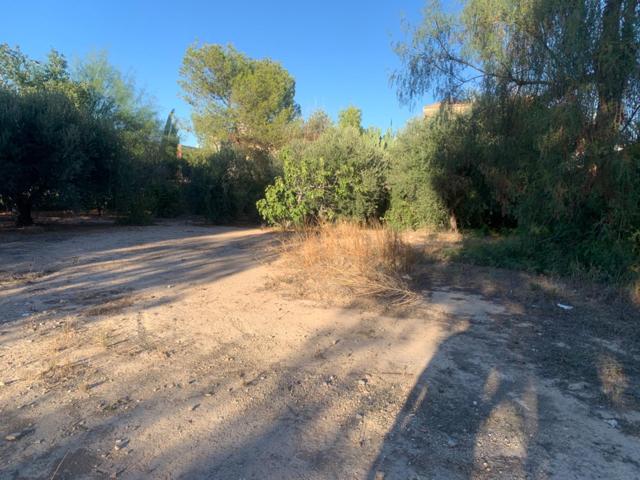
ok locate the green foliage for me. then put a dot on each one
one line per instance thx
(317, 123)
(298, 196)
(414, 200)
(82, 138)
(350, 117)
(339, 175)
(600, 260)
(48, 145)
(438, 177)
(20, 73)
(134, 200)
(510, 164)
(224, 185)
(114, 96)
(149, 186)
(94, 141)
(170, 138)
(146, 181)
(238, 99)
(549, 145)
(577, 52)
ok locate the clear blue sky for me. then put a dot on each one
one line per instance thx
(338, 51)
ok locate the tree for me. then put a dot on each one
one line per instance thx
(145, 179)
(350, 117)
(582, 52)
(20, 73)
(111, 94)
(69, 133)
(415, 201)
(550, 142)
(238, 99)
(47, 145)
(317, 123)
(170, 138)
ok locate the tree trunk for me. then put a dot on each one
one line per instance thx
(453, 222)
(23, 205)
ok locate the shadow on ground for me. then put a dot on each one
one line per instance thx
(495, 400)
(89, 267)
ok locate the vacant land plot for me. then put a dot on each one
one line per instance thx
(173, 351)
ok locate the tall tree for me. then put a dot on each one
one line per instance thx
(552, 135)
(238, 99)
(585, 52)
(112, 94)
(170, 139)
(63, 132)
(22, 74)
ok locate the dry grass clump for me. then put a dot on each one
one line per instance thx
(346, 258)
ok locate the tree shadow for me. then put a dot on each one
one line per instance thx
(463, 398)
(269, 436)
(493, 401)
(103, 268)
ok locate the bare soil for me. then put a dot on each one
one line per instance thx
(176, 351)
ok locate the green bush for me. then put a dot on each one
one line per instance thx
(51, 150)
(224, 185)
(583, 258)
(520, 167)
(165, 180)
(437, 176)
(133, 200)
(414, 200)
(340, 175)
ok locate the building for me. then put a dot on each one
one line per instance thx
(429, 111)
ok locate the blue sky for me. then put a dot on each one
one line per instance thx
(339, 52)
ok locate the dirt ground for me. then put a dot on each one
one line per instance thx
(171, 352)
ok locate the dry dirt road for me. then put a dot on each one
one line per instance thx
(168, 352)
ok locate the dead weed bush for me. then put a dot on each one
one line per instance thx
(346, 258)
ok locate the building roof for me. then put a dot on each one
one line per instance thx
(434, 108)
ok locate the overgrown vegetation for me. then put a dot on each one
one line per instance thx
(548, 148)
(85, 138)
(340, 174)
(237, 99)
(224, 185)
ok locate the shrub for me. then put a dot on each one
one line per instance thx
(224, 185)
(437, 178)
(414, 200)
(341, 175)
(133, 200)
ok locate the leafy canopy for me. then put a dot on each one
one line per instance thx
(550, 141)
(341, 174)
(582, 52)
(67, 133)
(238, 99)
(350, 117)
(49, 146)
(20, 73)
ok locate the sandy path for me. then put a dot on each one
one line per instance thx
(158, 352)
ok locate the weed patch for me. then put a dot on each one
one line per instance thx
(350, 260)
